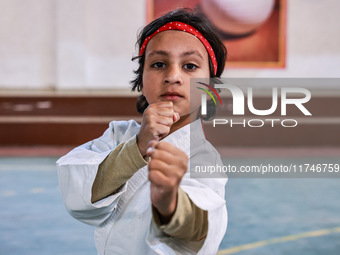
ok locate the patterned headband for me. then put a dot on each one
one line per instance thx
(176, 25)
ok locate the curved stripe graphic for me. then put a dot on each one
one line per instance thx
(212, 89)
(209, 94)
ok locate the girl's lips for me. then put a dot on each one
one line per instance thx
(172, 96)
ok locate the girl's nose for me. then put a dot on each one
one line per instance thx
(173, 76)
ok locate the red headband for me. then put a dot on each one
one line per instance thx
(176, 25)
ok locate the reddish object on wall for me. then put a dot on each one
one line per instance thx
(264, 47)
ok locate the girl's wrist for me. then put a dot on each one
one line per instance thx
(142, 149)
(167, 209)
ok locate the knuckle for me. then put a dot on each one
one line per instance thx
(151, 176)
(151, 106)
(154, 163)
(168, 104)
(178, 175)
(163, 145)
(155, 154)
(151, 118)
(151, 164)
(184, 165)
(152, 128)
(185, 157)
(147, 111)
(173, 182)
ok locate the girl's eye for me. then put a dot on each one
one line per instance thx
(158, 65)
(190, 66)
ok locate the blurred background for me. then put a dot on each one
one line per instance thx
(65, 67)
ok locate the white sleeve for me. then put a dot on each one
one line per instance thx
(208, 194)
(77, 171)
(205, 197)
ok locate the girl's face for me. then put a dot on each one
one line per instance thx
(171, 59)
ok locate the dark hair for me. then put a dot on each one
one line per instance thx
(193, 18)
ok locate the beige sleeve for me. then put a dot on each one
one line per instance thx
(189, 221)
(116, 169)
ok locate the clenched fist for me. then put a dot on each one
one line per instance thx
(167, 167)
(157, 121)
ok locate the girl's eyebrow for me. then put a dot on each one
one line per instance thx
(158, 52)
(192, 52)
(184, 54)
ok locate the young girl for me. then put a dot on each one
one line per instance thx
(133, 183)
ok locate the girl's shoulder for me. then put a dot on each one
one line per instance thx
(124, 125)
(122, 130)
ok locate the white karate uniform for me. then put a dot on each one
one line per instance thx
(123, 221)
